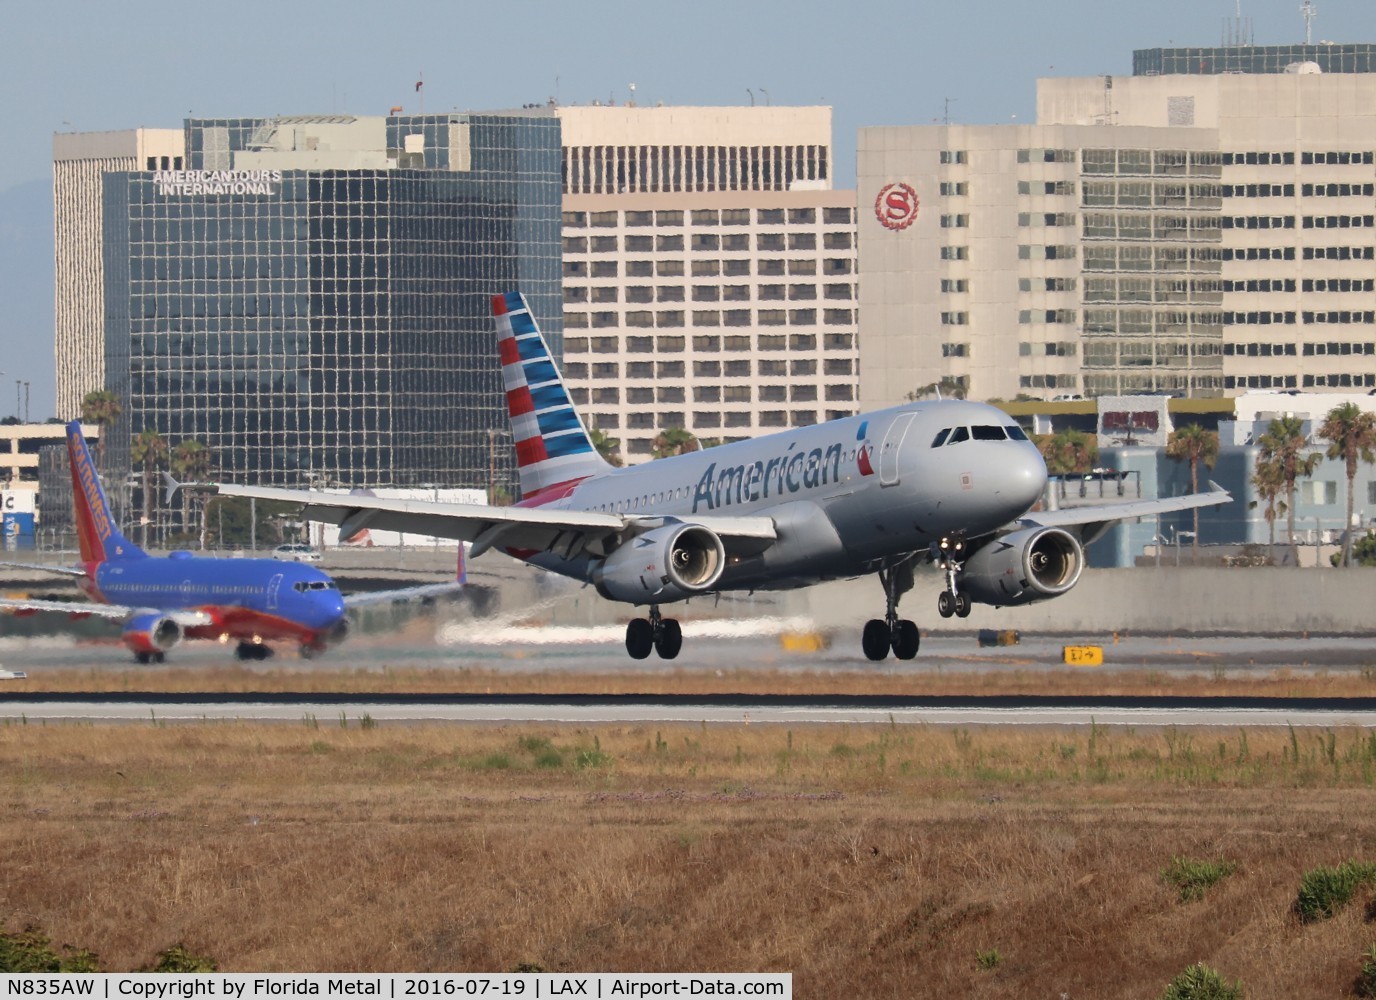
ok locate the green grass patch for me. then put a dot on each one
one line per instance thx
(1194, 878)
(1326, 890)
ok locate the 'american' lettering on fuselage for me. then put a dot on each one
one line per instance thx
(750, 482)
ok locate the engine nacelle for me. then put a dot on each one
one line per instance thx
(151, 633)
(1026, 566)
(663, 565)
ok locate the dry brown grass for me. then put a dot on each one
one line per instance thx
(870, 861)
(1280, 683)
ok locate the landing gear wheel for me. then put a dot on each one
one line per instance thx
(906, 639)
(252, 651)
(670, 639)
(142, 657)
(962, 605)
(945, 604)
(310, 651)
(159, 656)
(640, 638)
(876, 639)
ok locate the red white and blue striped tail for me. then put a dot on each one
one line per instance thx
(552, 445)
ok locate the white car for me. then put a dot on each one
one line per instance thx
(296, 553)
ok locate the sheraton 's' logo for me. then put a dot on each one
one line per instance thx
(896, 206)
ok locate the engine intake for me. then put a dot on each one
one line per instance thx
(151, 633)
(1025, 566)
(666, 564)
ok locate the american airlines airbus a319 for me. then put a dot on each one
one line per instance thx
(949, 481)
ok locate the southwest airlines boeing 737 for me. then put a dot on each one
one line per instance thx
(949, 481)
(162, 600)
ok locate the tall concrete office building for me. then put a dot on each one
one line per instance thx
(1203, 228)
(80, 162)
(310, 296)
(709, 271)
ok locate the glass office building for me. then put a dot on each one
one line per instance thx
(310, 298)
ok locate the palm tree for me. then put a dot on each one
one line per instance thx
(608, 447)
(102, 408)
(674, 441)
(1068, 451)
(1351, 436)
(149, 451)
(1282, 444)
(1269, 480)
(191, 462)
(1193, 444)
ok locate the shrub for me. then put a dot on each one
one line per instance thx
(1193, 878)
(1365, 986)
(31, 951)
(1324, 890)
(179, 959)
(1199, 982)
(988, 959)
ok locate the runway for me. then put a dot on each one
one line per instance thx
(727, 655)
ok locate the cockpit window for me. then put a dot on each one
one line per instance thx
(941, 436)
(1015, 432)
(958, 435)
(988, 433)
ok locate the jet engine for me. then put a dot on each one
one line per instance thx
(151, 633)
(663, 565)
(1022, 567)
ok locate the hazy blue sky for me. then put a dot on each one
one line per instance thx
(114, 65)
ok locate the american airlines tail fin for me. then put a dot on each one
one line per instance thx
(99, 538)
(552, 445)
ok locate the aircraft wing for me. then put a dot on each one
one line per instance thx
(186, 617)
(77, 608)
(1092, 521)
(535, 529)
(420, 593)
(60, 570)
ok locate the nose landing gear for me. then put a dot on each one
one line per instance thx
(949, 556)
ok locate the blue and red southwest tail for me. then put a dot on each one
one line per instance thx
(99, 538)
(552, 445)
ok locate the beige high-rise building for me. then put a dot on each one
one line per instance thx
(709, 272)
(80, 161)
(1196, 234)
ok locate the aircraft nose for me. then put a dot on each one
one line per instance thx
(329, 608)
(1024, 476)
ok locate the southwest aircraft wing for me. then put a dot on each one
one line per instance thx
(1092, 521)
(187, 617)
(534, 529)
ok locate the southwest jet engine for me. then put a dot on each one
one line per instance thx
(151, 633)
(1022, 567)
(666, 564)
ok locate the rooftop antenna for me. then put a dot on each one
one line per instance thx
(946, 109)
(1308, 11)
(1238, 34)
(632, 100)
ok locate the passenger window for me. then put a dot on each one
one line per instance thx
(958, 435)
(987, 433)
(941, 436)
(1015, 433)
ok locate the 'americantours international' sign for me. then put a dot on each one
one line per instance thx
(188, 182)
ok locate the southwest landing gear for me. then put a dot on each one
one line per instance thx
(952, 601)
(662, 635)
(252, 651)
(156, 657)
(898, 634)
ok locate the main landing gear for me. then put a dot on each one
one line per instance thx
(252, 651)
(154, 657)
(952, 601)
(898, 634)
(662, 635)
